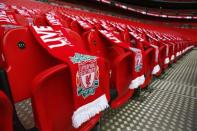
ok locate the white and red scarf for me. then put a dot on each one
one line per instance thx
(156, 68)
(88, 97)
(173, 51)
(85, 25)
(3, 6)
(8, 21)
(167, 60)
(138, 71)
(7, 18)
(53, 20)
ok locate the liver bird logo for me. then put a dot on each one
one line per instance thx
(88, 77)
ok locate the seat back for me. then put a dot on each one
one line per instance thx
(24, 59)
(40, 21)
(95, 44)
(80, 26)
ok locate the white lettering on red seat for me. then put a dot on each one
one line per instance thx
(49, 36)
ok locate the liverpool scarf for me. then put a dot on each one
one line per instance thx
(7, 18)
(152, 44)
(89, 98)
(138, 71)
(156, 68)
(167, 60)
(173, 51)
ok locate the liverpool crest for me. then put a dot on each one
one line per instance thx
(87, 77)
(138, 61)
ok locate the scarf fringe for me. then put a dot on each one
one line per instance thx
(172, 57)
(137, 82)
(167, 60)
(177, 54)
(156, 69)
(85, 112)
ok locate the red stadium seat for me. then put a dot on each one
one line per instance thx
(120, 65)
(37, 66)
(11, 20)
(148, 55)
(159, 49)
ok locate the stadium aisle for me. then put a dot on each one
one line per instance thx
(170, 103)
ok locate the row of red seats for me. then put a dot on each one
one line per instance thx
(73, 65)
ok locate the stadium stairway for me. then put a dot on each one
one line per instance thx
(170, 103)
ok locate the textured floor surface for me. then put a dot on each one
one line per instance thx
(170, 103)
